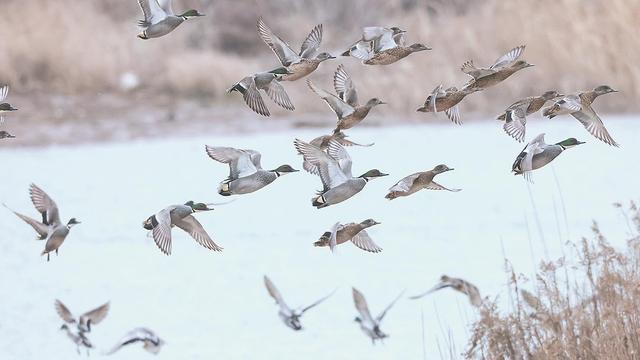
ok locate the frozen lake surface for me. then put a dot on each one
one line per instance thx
(208, 305)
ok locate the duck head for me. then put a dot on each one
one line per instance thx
(294, 322)
(189, 14)
(550, 95)
(358, 319)
(521, 64)
(64, 327)
(425, 107)
(396, 30)
(197, 206)
(369, 223)
(7, 107)
(323, 240)
(4, 134)
(150, 223)
(419, 47)
(72, 222)
(324, 56)
(441, 168)
(570, 142)
(284, 169)
(374, 102)
(371, 174)
(143, 35)
(379, 333)
(603, 89)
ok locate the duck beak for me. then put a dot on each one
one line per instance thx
(581, 142)
(422, 109)
(376, 223)
(449, 169)
(530, 65)
(383, 174)
(142, 36)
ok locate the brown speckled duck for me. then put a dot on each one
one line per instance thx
(579, 106)
(515, 115)
(505, 66)
(383, 46)
(299, 64)
(445, 100)
(345, 104)
(354, 232)
(459, 285)
(374, 38)
(389, 56)
(418, 181)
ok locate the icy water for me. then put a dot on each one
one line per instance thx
(208, 305)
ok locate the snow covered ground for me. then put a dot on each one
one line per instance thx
(214, 306)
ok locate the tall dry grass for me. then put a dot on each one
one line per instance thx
(583, 310)
(70, 46)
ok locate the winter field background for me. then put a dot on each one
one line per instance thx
(210, 305)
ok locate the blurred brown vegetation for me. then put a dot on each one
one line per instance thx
(80, 47)
(583, 309)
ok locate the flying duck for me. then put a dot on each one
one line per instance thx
(418, 181)
(345, 104)
(299, 64)
(246, 175)
(251, 85)
(506, 65)
(51, 228)
(150, 341)
(181, 216)
(459, 285)
(514, 116)
(579, 106)
(84, 321)
(334, 169)
(369, 325)
(290, 317)
(538, 154)
(159, 19)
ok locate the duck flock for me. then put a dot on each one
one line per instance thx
(325, 156)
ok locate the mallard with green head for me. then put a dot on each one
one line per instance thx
(159, 18)
(538, 154)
